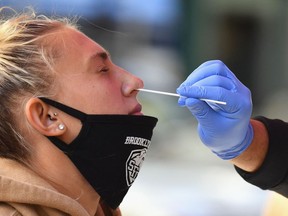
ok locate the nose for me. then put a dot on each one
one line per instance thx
(131, 83)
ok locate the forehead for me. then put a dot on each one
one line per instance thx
(76, 50)
(77, 43)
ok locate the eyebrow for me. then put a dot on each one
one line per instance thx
(103, 55)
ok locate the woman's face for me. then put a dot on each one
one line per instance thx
(90, 82)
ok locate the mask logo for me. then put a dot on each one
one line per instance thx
(133, 164)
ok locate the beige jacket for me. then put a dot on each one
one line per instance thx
(23, 193)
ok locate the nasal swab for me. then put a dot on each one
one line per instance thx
(177, 95)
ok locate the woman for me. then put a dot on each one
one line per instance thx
(72, 133)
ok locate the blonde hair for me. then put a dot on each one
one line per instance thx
(26, 66)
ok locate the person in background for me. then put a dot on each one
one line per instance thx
(256, 146)
(72, 134)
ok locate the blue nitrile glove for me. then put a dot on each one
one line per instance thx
(225, 129)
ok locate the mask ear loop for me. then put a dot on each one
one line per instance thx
(69, 110)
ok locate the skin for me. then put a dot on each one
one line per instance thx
(252, 158)
(87, 80)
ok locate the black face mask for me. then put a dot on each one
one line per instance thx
(108, 151)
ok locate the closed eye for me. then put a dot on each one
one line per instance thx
(104, 70)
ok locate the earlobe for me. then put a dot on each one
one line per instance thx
(43, 118)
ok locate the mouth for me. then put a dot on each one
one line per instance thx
(137, 110)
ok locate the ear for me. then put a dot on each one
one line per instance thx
(41, 117)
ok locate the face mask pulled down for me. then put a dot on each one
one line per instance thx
(108, 151)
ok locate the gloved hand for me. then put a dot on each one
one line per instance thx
(225, 129)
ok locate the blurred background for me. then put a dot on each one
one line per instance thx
(162, 41)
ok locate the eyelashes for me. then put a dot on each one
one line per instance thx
(104, 70)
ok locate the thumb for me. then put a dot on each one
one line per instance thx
(198, 108)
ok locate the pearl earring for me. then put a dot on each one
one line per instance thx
(61, 126)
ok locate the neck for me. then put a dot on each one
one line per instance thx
(57, 169)
(86, 196)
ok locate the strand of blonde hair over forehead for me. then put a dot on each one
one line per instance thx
(26, 70)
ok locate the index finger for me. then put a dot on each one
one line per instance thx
(207, 69)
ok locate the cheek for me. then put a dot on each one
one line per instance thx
(108, 100)
(109, 106)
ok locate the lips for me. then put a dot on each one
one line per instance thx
(137, 110)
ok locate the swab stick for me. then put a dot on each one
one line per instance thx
(177, 95)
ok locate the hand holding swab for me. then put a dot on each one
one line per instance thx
(177, 95)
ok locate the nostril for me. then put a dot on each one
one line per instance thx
(130, 87)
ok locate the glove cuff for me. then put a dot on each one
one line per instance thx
(238, 149)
